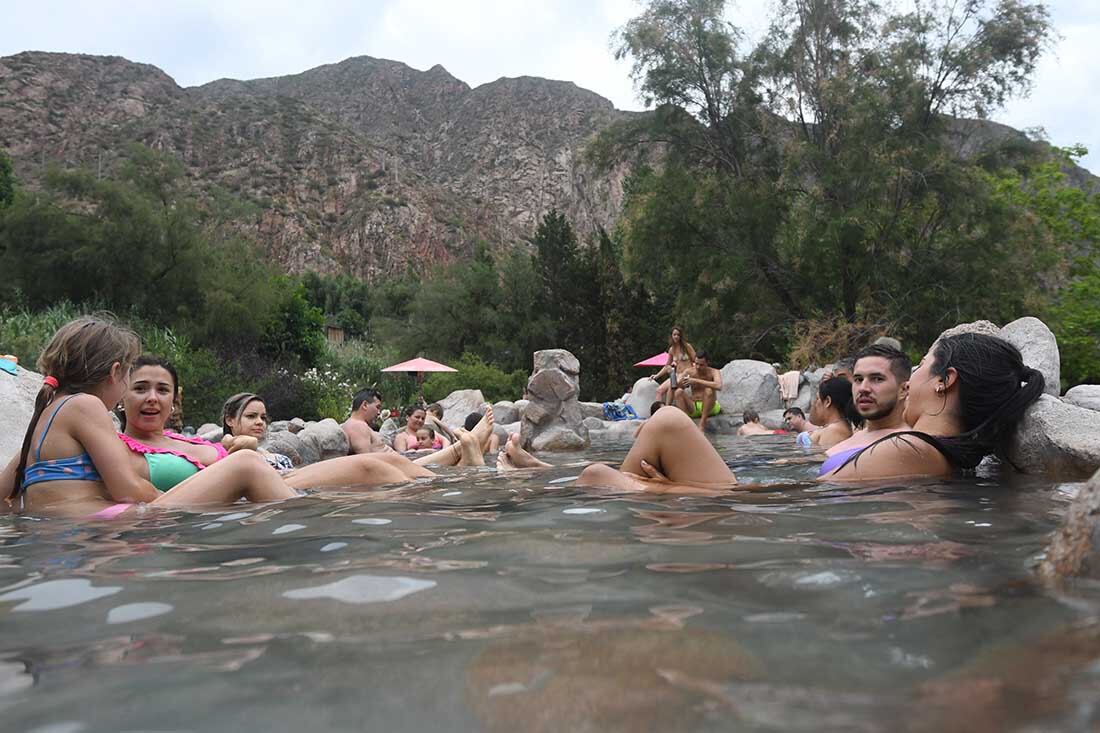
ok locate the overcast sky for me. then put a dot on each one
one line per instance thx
(476, 40)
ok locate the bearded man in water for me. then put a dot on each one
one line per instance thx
(880, 383)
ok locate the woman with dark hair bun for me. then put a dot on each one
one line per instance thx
(965, 399)
(834, 411)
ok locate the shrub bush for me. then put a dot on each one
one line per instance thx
(473, 373)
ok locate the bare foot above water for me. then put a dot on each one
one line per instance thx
(513, 457)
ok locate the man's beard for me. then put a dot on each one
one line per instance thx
(881, 412)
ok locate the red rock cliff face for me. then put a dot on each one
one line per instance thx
(363, 167)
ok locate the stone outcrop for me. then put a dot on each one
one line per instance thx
(1084, 395)
(749, 384)
(591, 409)
(460, 403)
(505, 412)
(974, 327)
(1074, 549)
(1056, 438)
(1039, 349)
(552, 419)
(642, 395)
(17, 395)
(326, 438)
(359, 167)
(290, 445)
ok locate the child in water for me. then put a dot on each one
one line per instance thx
(72, 462)
(426, 440)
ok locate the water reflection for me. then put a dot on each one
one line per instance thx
(797, 608)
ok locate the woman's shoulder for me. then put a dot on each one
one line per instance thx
(898, 455)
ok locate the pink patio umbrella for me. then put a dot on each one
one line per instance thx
(419, 366)
(657, 360)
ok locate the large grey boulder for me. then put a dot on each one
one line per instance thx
(807, 390)
(291, 446)
(642, 395)
(389, 430)
(505, 412)
(974, 327)
(559, 359)
(553, 418)
(326, 437)
(17, 395)
(1058, 438)
(772, 420)
(1074, 549)
(749, 384)
(457, 405)
(1084, 395)
(592, 409)
(1039, 348)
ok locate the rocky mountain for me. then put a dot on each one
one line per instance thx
(364, 166)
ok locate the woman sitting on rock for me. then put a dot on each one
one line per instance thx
(681, 357)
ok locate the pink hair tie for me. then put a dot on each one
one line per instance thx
(52, 381)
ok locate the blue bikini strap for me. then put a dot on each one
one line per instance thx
(42, 438)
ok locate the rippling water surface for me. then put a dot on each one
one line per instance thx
(518, 602)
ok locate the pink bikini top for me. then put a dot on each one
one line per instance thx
(138, 447)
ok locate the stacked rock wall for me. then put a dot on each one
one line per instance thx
(553, 419)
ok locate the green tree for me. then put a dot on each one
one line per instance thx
(294, 329)
(7, 180)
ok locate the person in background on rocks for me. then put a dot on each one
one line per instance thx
(796, 422)
(704, 383)
(751, 424)
(244, 426)
(964, 401)
(880, 380)
(434, 419)
(365, 407)
(842, 368)
(681, 355)
(493, 444)
(833, 410)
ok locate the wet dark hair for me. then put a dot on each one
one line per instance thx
(364, 395)
(995, 389)
(749, 416)
(839, 392)
(472, 420)
(794, 411)
(413, 408)
(900, 365)
(152, 360)
(655, 406)
(701, 355)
